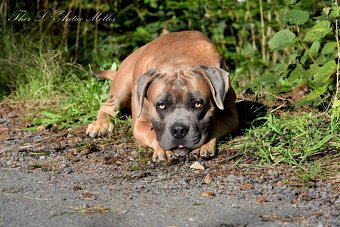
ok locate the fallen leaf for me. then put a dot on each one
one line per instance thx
(87, 195)
(246, 186)
(261, 199)
(207, 179)
(197, 165)
(71, 156)
(208, 194)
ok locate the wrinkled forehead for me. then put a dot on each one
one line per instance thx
(178, 85)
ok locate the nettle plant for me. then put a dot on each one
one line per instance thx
(317, 65)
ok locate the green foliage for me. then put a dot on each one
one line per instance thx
(318, 31)
(310, 65)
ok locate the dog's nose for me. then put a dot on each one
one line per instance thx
(179, 130)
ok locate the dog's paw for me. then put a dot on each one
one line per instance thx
(99, 128)
(163, 156)
(207, 150)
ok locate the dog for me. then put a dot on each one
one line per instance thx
(179, 95)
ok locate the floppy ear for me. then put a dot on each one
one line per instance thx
(218, 81)
(141, 88)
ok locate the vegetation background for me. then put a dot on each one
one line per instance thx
(282, 53)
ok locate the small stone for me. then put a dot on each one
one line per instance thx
(86, 206)
(234, 205)
(68, 170)
(43, 157)
(9, 162)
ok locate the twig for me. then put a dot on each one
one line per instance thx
(263, 38)
(248, 15)
(338, 65)
(95, 41)
(275, 96)
(304, 46)
(279, 107)
(78, 30)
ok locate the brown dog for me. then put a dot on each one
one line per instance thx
(180, 98)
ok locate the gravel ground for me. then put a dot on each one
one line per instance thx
(62, 178)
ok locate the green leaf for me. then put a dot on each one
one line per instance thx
(114, 66)
(328, 48)
(321, 78)
(318, 31)
(297, 73)
(296, 17)
(51, 114)
(312, 97)
(314, 49)
(335, 11)
(321, 60)
(281, 40)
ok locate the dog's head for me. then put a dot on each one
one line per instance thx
(181, 106)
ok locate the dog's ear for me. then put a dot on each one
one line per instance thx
(142, 86)
(218, 81)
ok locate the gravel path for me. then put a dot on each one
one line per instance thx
(62, 178)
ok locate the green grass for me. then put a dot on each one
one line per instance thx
(77, 103)
(29, 69)
(308, 142)
(34, 73)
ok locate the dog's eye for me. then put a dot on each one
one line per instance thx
(198, 105)
(161, 106)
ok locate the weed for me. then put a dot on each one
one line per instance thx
(297, 140)
(310, 172)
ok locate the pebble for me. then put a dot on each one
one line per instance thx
(9, 162)
(234, 205)
(68, 170)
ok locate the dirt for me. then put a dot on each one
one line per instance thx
(62, 178)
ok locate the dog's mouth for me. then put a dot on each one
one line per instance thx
(181, 150)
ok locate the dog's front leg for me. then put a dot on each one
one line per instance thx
(146, 137)
(207, 150)
(103, 124)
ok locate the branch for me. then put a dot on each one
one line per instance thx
(304, 46)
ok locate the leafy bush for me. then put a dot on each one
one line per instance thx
(316, 64)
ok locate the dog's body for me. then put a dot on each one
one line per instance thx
(180, 98)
